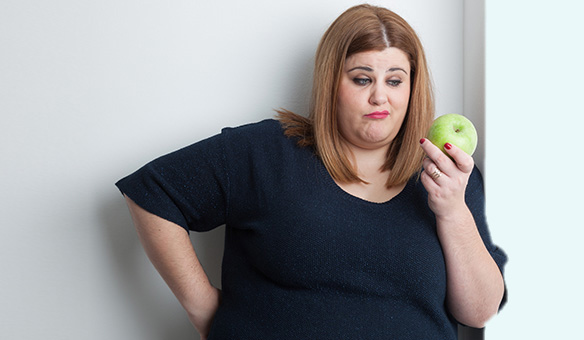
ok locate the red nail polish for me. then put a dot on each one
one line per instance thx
(448, 146)
(422, 140)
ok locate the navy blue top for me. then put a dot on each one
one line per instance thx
(304, 259)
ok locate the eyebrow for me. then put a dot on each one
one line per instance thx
(369, 69)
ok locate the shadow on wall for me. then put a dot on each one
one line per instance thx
(146, 296)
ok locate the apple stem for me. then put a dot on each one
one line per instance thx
(457, 130)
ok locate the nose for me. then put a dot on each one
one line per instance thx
(378, 95)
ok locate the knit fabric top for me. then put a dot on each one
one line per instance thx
(304, 259)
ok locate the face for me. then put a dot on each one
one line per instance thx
(373, 98)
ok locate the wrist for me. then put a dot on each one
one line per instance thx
(202, 312)
(457, 228)
(205, 298)
(453, 213)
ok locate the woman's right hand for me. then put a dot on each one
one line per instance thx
(171, 252)
(202, 317)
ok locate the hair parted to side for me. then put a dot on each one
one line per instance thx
(359, 29)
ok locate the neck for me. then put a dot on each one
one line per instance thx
(369, 165)
(368, 162)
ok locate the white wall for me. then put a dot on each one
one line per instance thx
(474, 72)
(90, 91)
(534, 163)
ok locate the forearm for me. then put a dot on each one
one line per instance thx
(169, 249)
(475, 284)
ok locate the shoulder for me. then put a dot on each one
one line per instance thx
(266, 127)
(265, 135)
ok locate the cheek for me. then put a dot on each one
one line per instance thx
(347, 105)
(344, 98)
(401, 100)
(344, 119)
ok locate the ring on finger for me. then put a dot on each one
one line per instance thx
(436, 174)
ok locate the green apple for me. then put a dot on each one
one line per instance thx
(454, 129)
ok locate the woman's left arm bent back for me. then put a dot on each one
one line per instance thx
(475, 286)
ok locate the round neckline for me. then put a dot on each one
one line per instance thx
(348, 196)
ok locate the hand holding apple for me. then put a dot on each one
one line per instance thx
(445, 178)
(454, 129)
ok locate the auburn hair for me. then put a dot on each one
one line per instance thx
(360, 29)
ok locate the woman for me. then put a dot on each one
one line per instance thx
(341, 225)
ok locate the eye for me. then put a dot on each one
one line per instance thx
(394, 82)
(361, 81)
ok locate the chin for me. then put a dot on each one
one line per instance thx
(374, 143)
(377, 139)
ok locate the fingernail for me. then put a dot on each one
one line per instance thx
(448, 146)
(422, 140)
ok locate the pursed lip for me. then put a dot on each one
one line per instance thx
(378, 114)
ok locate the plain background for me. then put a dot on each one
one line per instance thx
(534, 93)
(90, 91)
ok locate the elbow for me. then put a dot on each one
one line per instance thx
(477, 309)
(478, 317)
(474, 322)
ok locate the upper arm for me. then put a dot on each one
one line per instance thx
(155, 231)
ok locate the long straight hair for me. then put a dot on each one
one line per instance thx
(360, 29)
